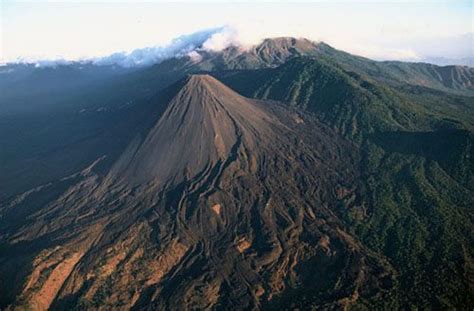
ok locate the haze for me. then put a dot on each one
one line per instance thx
(437, 31)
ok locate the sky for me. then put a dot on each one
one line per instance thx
(70, 29)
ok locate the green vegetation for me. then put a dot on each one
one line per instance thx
(417, 167)
(394, 230)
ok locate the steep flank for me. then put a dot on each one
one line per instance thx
(222, 202)
(354, 190)
(202, 124)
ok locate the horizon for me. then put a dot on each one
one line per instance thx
(434, 31)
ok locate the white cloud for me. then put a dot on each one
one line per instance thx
(214, 39)
(243, 35)
(221, 40)
(195, 56)
(183, 45)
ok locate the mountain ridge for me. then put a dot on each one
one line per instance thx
(269, 181)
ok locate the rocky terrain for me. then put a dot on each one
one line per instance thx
(288, 175)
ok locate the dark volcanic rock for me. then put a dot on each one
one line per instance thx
(223, 202)
(203, 124)
(151, 190)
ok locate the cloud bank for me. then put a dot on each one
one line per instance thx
(401, 30)
(216, 39)
(183, 45)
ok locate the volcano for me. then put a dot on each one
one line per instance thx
(220, 201)
(203, 127)
(289, 175)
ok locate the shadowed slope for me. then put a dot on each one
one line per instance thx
(203, 124)
(225, 202)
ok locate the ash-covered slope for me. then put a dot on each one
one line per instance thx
(204, 123)
(224, 202)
